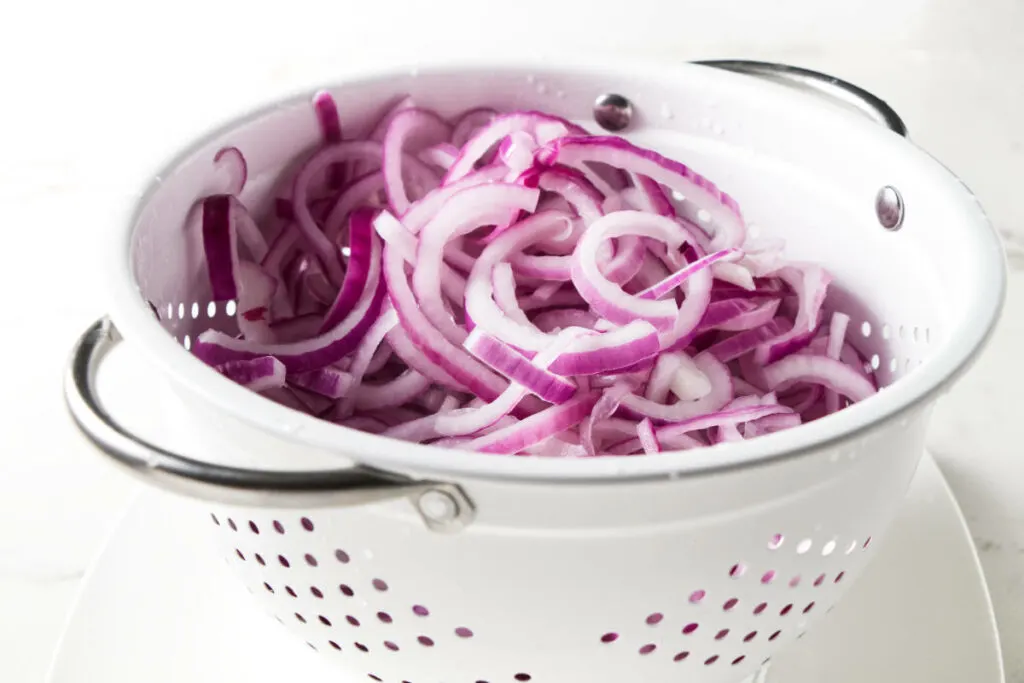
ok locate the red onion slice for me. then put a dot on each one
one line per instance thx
(827, 372)
(536, 428)
(518, 368)
(722, 210)
(329, 382)
(415, 129)
(258, 374)
(231, 163)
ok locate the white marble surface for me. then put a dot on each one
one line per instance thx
(96, 93)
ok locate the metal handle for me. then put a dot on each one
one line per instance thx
(443, 506)
(848, 93)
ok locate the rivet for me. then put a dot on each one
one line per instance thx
(438, 506)
(889, 208)
(613, 112)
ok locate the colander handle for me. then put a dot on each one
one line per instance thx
(443, 506)
(848, 93)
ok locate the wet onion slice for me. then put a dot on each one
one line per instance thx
(508, 283)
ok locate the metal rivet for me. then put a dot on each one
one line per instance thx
(438, 506)
(613, 112)
(889, 208)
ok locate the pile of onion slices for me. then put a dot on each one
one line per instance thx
(508, 283)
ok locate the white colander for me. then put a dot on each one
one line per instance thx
(421, 565)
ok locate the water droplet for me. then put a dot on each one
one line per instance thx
(541, 88)
(368, 554)
(414, 72)
(560, 94)
(666, 111)
(530, 78)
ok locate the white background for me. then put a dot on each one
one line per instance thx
(94, 95)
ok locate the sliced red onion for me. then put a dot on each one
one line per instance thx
(570, 295)
(663, 376)
(330, 127)
(359, 192)
(558, 319)
(308, 228)
(722, 210)
(627, 261)
(603, 409)
(453, 360)
(441, 155)
(648, 438)
(689, 383)
(836, 339)
(734, 273)
(399, 340)
(822, 370)
(536, 428)
(426, 208)
(255, 293)
(772, 423)
(581, 194)
(717, 419)
(361, 261)
(544, 267)
(810, 284)
(215, 347)
(604, 296)
(594, 353)
(682, 275)
(327, 114)
(516, 151)
(328, 381)
(540, 125)
(225, 222)
(721, 393)
(396, 107)
(652, 196)
(231, 162)
(518, 368)
(413, 129)
(396, 392)
(504, 284)
(737, 315)
(396, 236)
(259, 374)
(469, 122)
(363, 423)
(296, 328)
(466, 211)
(480, 304)
(365, 351)
(739, 344)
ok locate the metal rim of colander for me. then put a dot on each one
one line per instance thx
(134, 318)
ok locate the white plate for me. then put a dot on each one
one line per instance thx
(156, 608)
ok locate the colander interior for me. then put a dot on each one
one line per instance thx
(801, 169)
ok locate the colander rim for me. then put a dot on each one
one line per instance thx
(134, 318)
